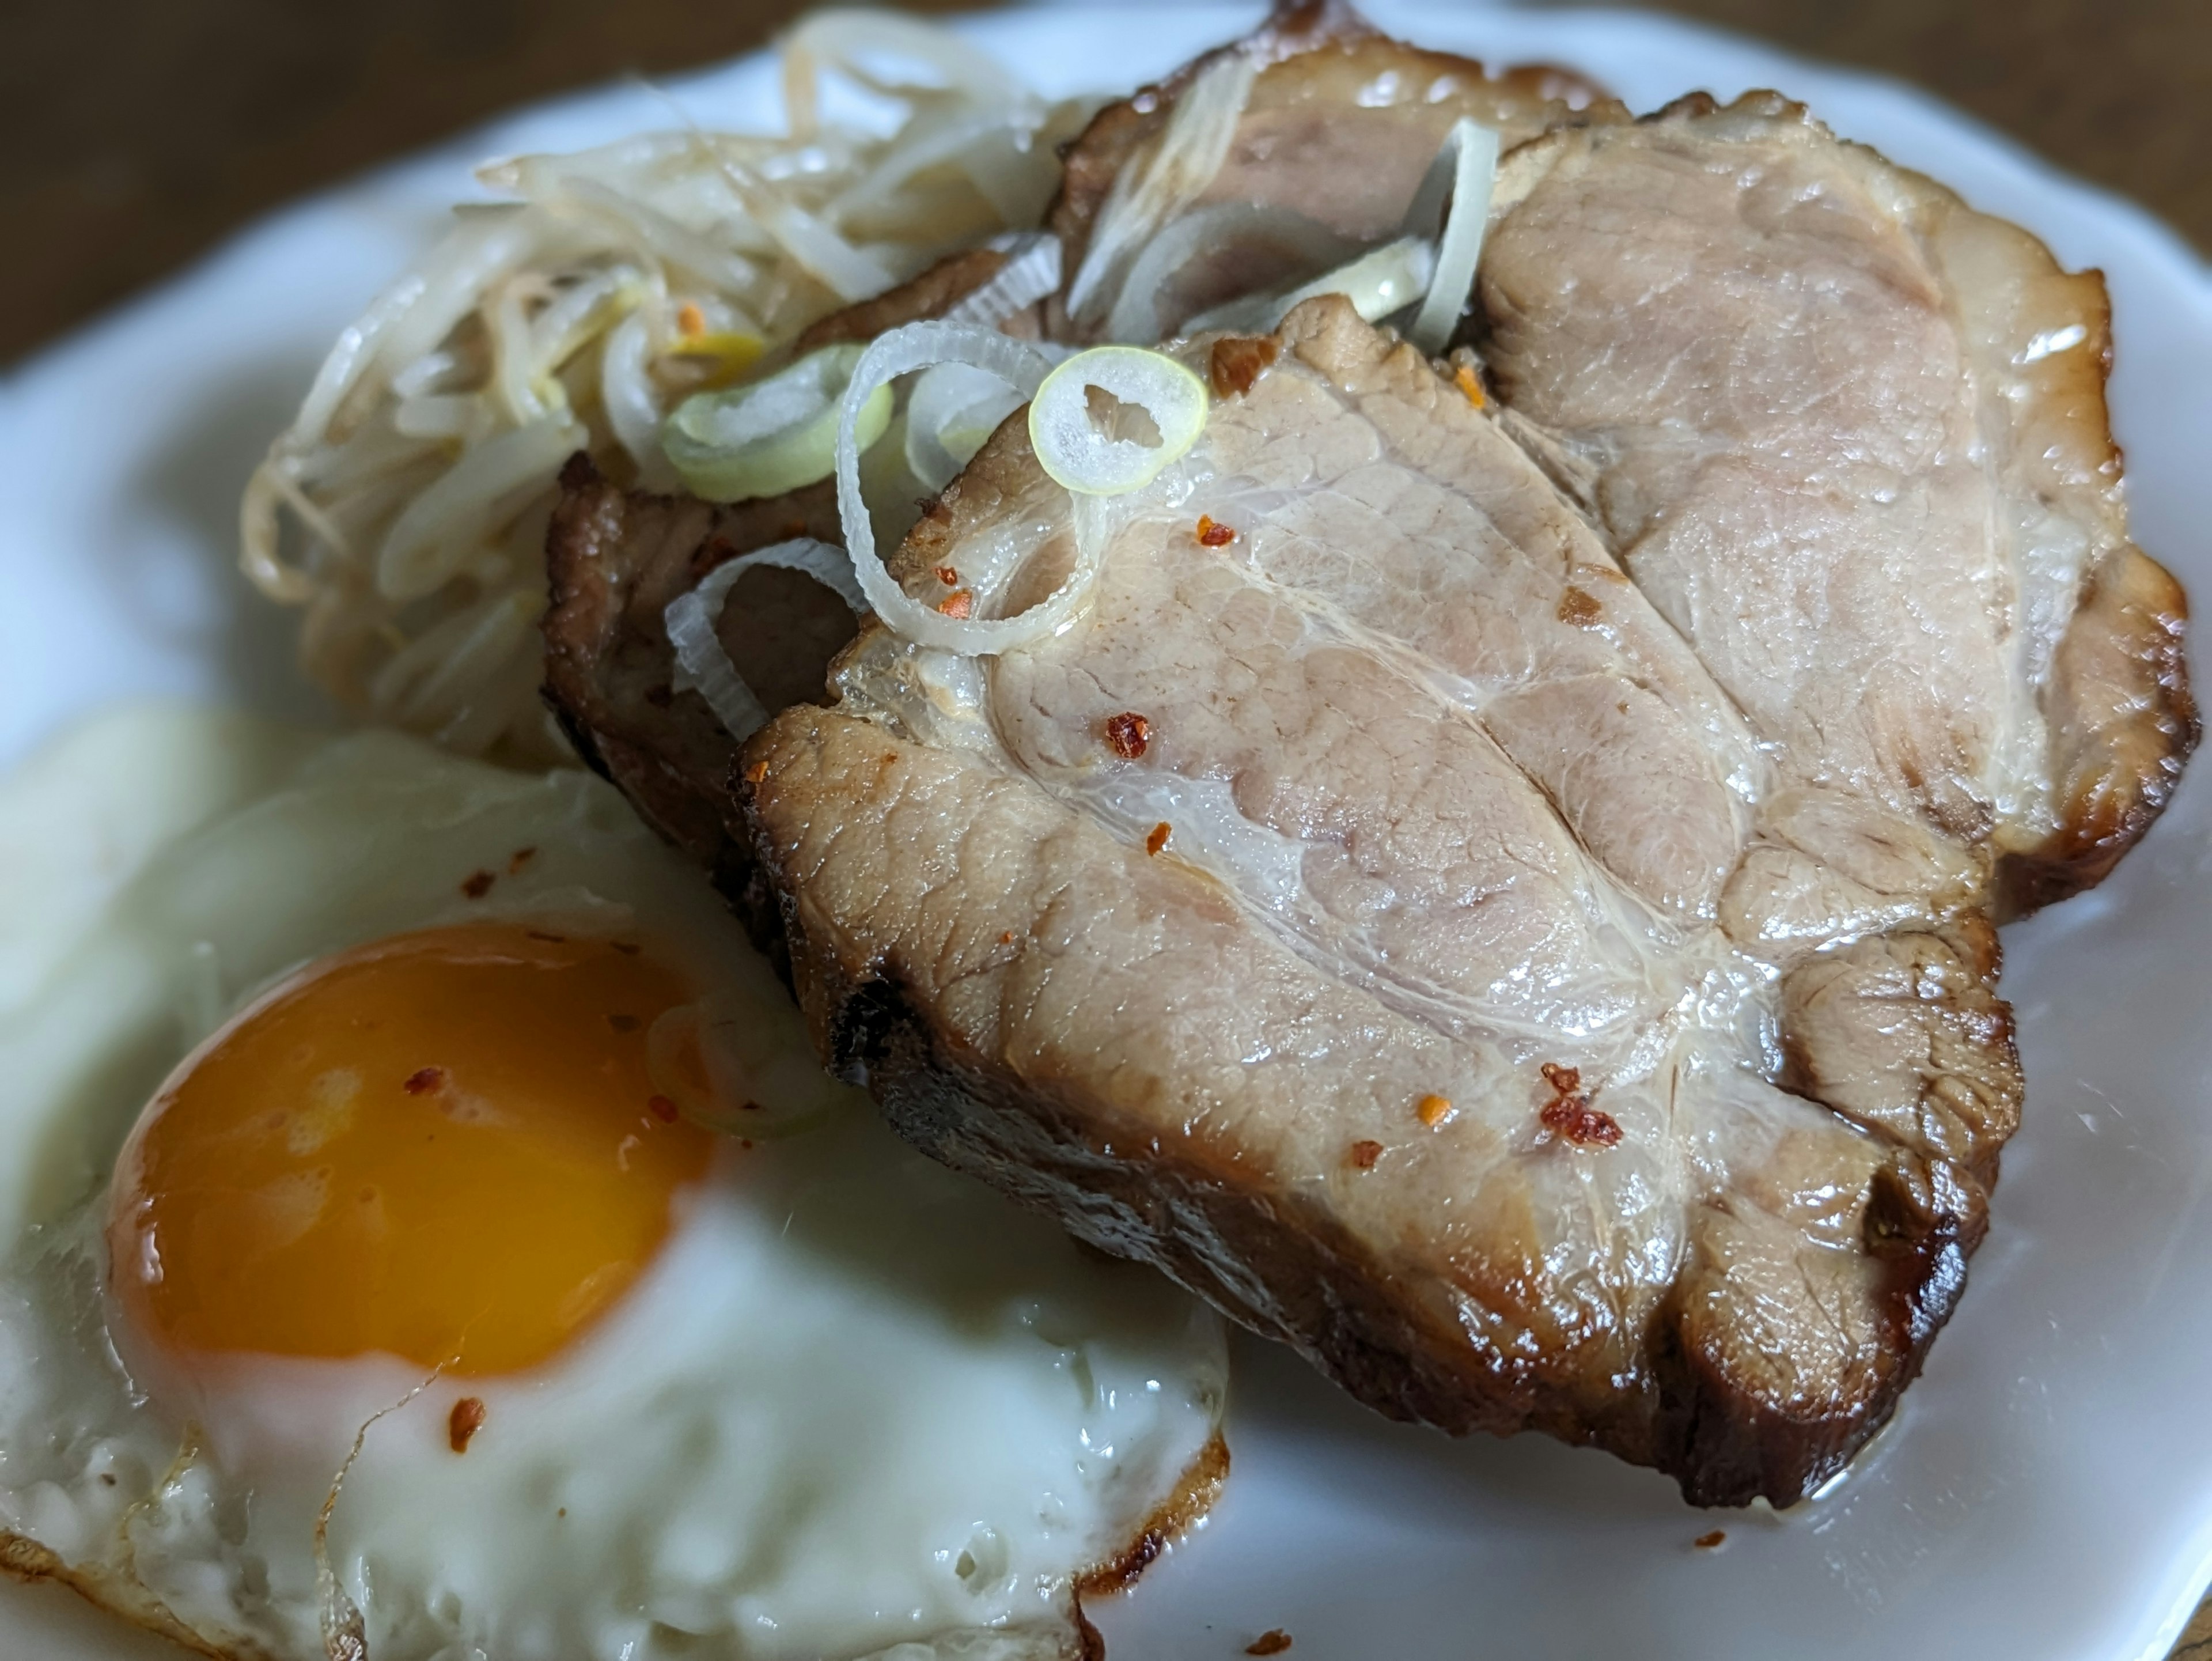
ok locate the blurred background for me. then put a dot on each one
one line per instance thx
(138, 133)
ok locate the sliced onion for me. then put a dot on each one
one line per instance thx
(1078, 456)
(1464, 170)
(919, 346)
(1380, 282)
(1031, 272)
(1191, 147)
(702, 666)
(1307, 245)
(772, 435)
(952, 410)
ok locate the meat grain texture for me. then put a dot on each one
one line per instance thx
(1566, 996)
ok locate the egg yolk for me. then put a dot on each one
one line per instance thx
(446, 1145)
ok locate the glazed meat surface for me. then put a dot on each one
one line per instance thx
(1529, 947)
(1517, 921)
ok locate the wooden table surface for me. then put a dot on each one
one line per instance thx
(138, 134)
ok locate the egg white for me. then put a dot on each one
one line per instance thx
(856, 1406)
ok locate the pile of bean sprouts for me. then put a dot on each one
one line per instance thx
(406, 508)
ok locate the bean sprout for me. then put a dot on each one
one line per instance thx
(403, 509)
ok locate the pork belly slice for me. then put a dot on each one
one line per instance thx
(1332, 918)
(1850, 437)
(1339, 125)
(615, 560)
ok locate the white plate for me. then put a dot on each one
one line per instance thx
(2046, 1495)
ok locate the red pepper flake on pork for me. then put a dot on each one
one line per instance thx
(1470, 387)
(1433, 1110)
(1158, 839)
(958, 604)
(1364, 1155)
(1212, 534)
(1273, 1641)
(948, 575)
(1128, 734)
(1569, 1114)
(1236, 361)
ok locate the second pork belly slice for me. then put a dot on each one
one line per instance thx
(1329, 917)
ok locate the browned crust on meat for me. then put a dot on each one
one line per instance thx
(932, 293)
(2123, 725)
(24, 1559)
(1195, 1494)
(607, 658)
(1118, 131)
(1285, 1266)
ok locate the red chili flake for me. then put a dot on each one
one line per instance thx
(1577, 607)
(624, 1023)
(1464, 378)
(1364, 1154)
(958, 604)
(690, 321)
(1007, 937)
(1158, 839)
(1235, 361)
(468, 1417)
(1273, 1641)
(1211, 533)
(423, 1081)
(1708, 1542)
(661, 1109)
(756, 772)
(947, 575)
(1569, 1111)
(517, 859)
(478, 885)
(1128, 734)
(1433, 1110)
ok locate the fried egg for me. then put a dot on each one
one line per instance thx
(428, 1234)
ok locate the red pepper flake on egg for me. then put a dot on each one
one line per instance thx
(423, 1081)
(467, 1420)
(1128, 734)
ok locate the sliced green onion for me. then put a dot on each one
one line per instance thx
(1070, 440)
(1465, 172)
(772, 435)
